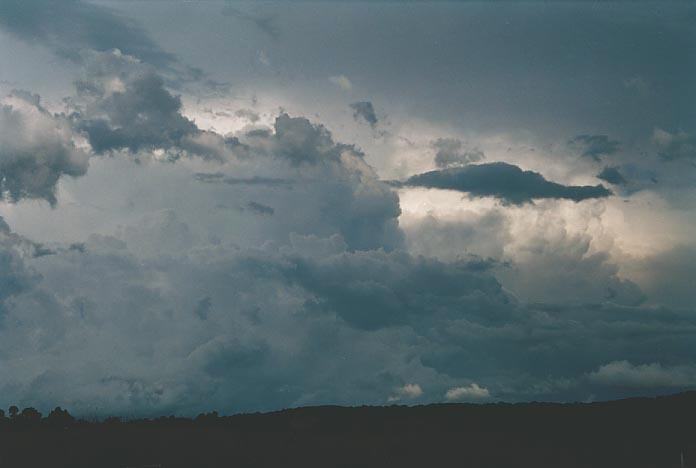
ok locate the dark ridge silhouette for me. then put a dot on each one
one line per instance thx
(639, 432)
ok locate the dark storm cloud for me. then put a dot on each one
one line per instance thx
(364, 110)
(301, 142)
(612, 175)
(368, 321)
(504, 181)
(36, 149)
(125, 105)
(595, 146)
(451, 152)
(144, 116)
(373, 290)
(70, 26)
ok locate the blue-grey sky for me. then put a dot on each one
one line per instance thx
(254, 205)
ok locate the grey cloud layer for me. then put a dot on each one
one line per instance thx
(505, 181)
(218, 327)
(69, 27)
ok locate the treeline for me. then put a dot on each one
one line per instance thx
(31, 417)
(635, 433)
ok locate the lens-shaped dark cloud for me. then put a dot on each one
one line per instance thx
(504, 181)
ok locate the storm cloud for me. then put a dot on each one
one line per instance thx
(504, 181)
(36, 149)
(224, 238)
(364, 110)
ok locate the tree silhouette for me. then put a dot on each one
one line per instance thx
(59, 417)
(13, 410)
(30, 415)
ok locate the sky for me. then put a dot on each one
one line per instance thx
(248, 206)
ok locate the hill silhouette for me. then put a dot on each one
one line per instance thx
(639, 432)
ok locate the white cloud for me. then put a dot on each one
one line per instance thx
(342, 82)
(470, 392)
(407, 392)
(626, 374)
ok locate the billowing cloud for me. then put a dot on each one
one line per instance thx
(123, 104)
(504, 181)
(626, 374)
(595, 146)
(210, 283)
(451, 152)
(407, 392)
(36, 149)
(364, 110)
(471, 392)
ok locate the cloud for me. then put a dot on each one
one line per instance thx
(407, 392)
(667, 276)
(219, 177)
(375, 289)
(198, 325)
(451, 152)
(470, 392)
(595, 146)
(626, 374)
(260, 208)
(504, 181)
(674, 146)
(123, 104)
(364, 110)
(248, 114)
(612, 175)
(342, 82)
(69, 27)
(36, 149)
(265, 23)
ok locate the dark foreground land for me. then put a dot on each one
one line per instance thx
(628, 433)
